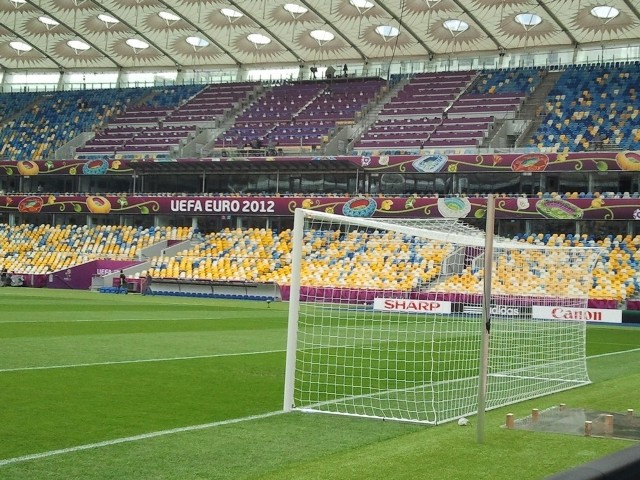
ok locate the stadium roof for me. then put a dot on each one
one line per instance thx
(158, 34)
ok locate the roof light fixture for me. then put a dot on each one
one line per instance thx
(528, 20)
(169, 17)
(363, 6)
(387, 32)
(455, 26)
(231, 14)
(321, 36)
(108, 20)
(136, 44)
(197, 42)
(258, 39)
(78, 46)
(295, 10)
(20, 46)
(605, 12)
(48, 22)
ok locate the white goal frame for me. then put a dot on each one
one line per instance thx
(441, 233)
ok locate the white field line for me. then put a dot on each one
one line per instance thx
(144, 360)
(134, 438)
(613, 353)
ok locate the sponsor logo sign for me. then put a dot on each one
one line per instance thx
(501, 310)
(411, 306)
(578, 314)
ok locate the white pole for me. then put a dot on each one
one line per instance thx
(486, 318)
(294, 307)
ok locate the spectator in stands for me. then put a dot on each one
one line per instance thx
(598, 141)
(345, 70)
(123, 282)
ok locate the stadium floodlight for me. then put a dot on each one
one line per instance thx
(390, 318)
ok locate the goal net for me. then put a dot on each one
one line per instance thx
(386, 318)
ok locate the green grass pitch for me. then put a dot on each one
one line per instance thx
(111, 387)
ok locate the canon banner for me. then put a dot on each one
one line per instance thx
(577, 314)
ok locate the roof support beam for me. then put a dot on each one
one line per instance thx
(479, 24)
(633, 8)
(344, 37)
(562, 26)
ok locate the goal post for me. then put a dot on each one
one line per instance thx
(386, 318)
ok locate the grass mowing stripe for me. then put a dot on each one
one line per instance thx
(62, 408)
(144, 436)
(145, 360)
(134, 438)
(181, 319)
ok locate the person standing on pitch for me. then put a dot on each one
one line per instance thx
(123, 282)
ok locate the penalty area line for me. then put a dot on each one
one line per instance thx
(142, 360)
(135, 438)
(609, 354)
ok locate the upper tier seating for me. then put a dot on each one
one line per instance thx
(299, 116)
(57, 117)
(120, 142)
(15, 103)
(211, 104)
(409, 119)
(455, 110)
(508, 81)
(165, 120)
(592, 107)
(155, 107)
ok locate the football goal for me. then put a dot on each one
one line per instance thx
(388, 318)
